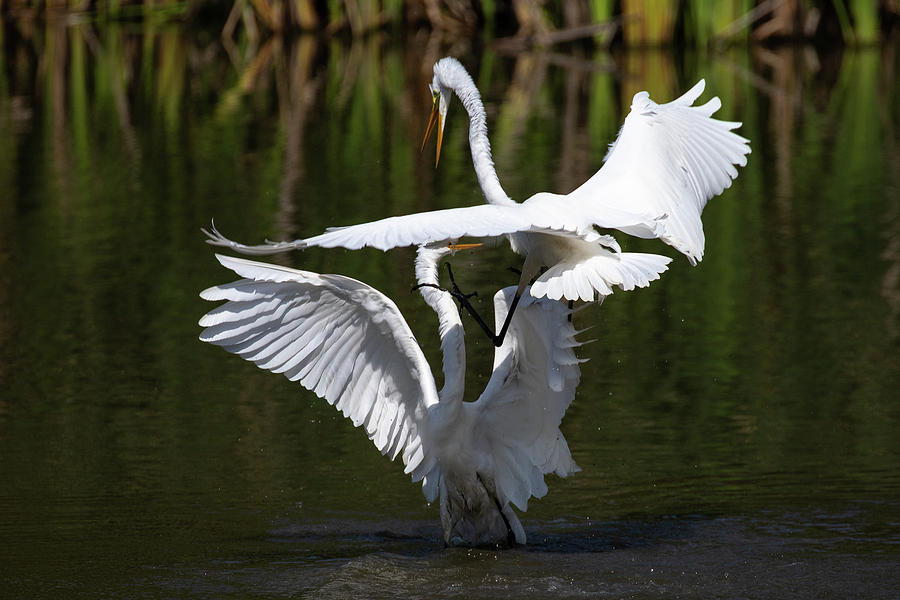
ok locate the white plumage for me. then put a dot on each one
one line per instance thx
(668, 159)
(666, 163)
(349, 344)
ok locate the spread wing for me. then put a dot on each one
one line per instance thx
(533, 383)
(338, 337)
(544, 213)
(668, 159)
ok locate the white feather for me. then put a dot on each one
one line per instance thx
(666, 163)
(315, 328)
(348, 343)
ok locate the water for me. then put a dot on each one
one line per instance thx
(736, 425)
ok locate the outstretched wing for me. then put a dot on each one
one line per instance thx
(533, 383)
(544, 213)
(668, 159)
(338, 337)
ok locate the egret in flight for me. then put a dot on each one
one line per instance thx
(667, 161)
(348, 343)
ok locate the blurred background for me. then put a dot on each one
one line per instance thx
(736, 423)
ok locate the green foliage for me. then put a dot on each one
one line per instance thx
(644, 23)
(866, 20)
(764, 376)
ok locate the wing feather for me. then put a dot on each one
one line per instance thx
(339, 337)
(543, 213)
(668, 159)
(533, 382)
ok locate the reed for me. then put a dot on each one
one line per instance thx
(648, 22)
(642, 23)
(707, 20)
(866, 25)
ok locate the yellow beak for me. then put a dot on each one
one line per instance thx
(455, 247)
(435, 118)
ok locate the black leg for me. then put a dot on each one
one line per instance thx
(498, 340)
(510, 535)
(463, 299)
(457, 293)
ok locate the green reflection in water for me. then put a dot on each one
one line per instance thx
(764, 379)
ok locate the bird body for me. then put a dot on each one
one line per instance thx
(667, 161)
(349, 344)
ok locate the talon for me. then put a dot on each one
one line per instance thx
(456, 293)
(437, 287)
(463, 299)
(459, 294)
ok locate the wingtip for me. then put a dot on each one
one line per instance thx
(207, 295)
(224, 260)
(692, 94)
(640, 100)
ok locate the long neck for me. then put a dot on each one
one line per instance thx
(455, 76)
(453, 344)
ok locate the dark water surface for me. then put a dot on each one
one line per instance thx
(737, 424)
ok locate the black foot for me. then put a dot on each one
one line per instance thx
(459, 295)
(455, 291)
(463, 300)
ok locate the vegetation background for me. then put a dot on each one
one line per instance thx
(737, 422)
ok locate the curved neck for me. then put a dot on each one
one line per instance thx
(454, 76)
(453, 346)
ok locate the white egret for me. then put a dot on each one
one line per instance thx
(348, 342)
(667, 161)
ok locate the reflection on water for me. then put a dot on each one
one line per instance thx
(736, 424)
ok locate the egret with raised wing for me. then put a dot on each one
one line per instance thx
(667, 161)
(348, 343)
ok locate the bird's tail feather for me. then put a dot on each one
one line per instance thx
(581, 279)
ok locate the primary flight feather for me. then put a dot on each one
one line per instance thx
(667, 161)
(348, 343)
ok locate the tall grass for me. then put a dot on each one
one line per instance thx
(641, 22)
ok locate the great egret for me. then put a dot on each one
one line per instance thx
(666, 163)
(348, 342)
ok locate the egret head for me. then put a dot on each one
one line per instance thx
(434, 251)
(455, 247)
(440, 97)
(429, 255)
